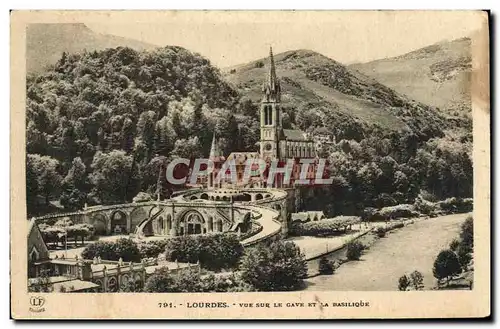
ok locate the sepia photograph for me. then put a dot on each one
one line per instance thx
(221, 153)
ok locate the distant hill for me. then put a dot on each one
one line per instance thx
(437, 75)
(310, 79)
(46, 42)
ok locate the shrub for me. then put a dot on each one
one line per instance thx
(324, 227)
(399, 211)
(417, 280)
(213, 251)
(259, 64)
(354, 250)
(368, 213)
(464, 256)
(454, 244)
(276, 266)
(403, 283)
(446, 265)
(151, 249)
(122, 248)
(224, 283)
(325, 266)
(160, 281)
(467, 233)
(424, 206)
(380, 231)
(190, 281)
(456, 205)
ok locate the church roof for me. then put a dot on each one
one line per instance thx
(35, 239)
(295, 135)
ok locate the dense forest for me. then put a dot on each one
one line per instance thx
(100, 124)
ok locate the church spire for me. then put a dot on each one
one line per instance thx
(214, 150)
(272, 70)
(272, 90)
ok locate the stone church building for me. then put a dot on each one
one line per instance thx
(276, 143)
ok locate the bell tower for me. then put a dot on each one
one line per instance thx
(270, 114)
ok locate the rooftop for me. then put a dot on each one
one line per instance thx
(295, 135)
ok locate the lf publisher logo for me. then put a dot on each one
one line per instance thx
(37, 303)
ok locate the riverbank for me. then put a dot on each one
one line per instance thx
(404, 250)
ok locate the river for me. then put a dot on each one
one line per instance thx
(413, 247)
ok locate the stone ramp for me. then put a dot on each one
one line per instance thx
(270, 225)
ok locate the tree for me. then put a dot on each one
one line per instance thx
(467, 233)
(354, 250)
(32, 188)
(75, 185)
(187, 148)
(279, 266)
(446, 265)
(46, 171)
(404, 283)
(112, 174)
(417, 280)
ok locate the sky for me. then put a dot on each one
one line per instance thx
(231, 38)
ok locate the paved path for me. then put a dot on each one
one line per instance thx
(413, 247)
(269, 226)
(312, 246)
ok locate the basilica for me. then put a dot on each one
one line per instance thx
(276, 143)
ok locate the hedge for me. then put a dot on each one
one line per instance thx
(125, 249)
(394, 212)
(151, 249)
(324, 227)
(454, 205)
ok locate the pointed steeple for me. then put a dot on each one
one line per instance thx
(272, 70)
(214, 150)
(271, 89)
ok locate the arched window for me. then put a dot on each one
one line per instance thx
(34, 255)
(112, 285)
(268, 115)
(161, 224)
(169, 223)
(210, 224)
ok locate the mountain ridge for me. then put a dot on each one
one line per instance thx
(437, 75)
(45, 43)
(310, 79)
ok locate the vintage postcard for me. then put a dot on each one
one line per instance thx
(250, 164)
